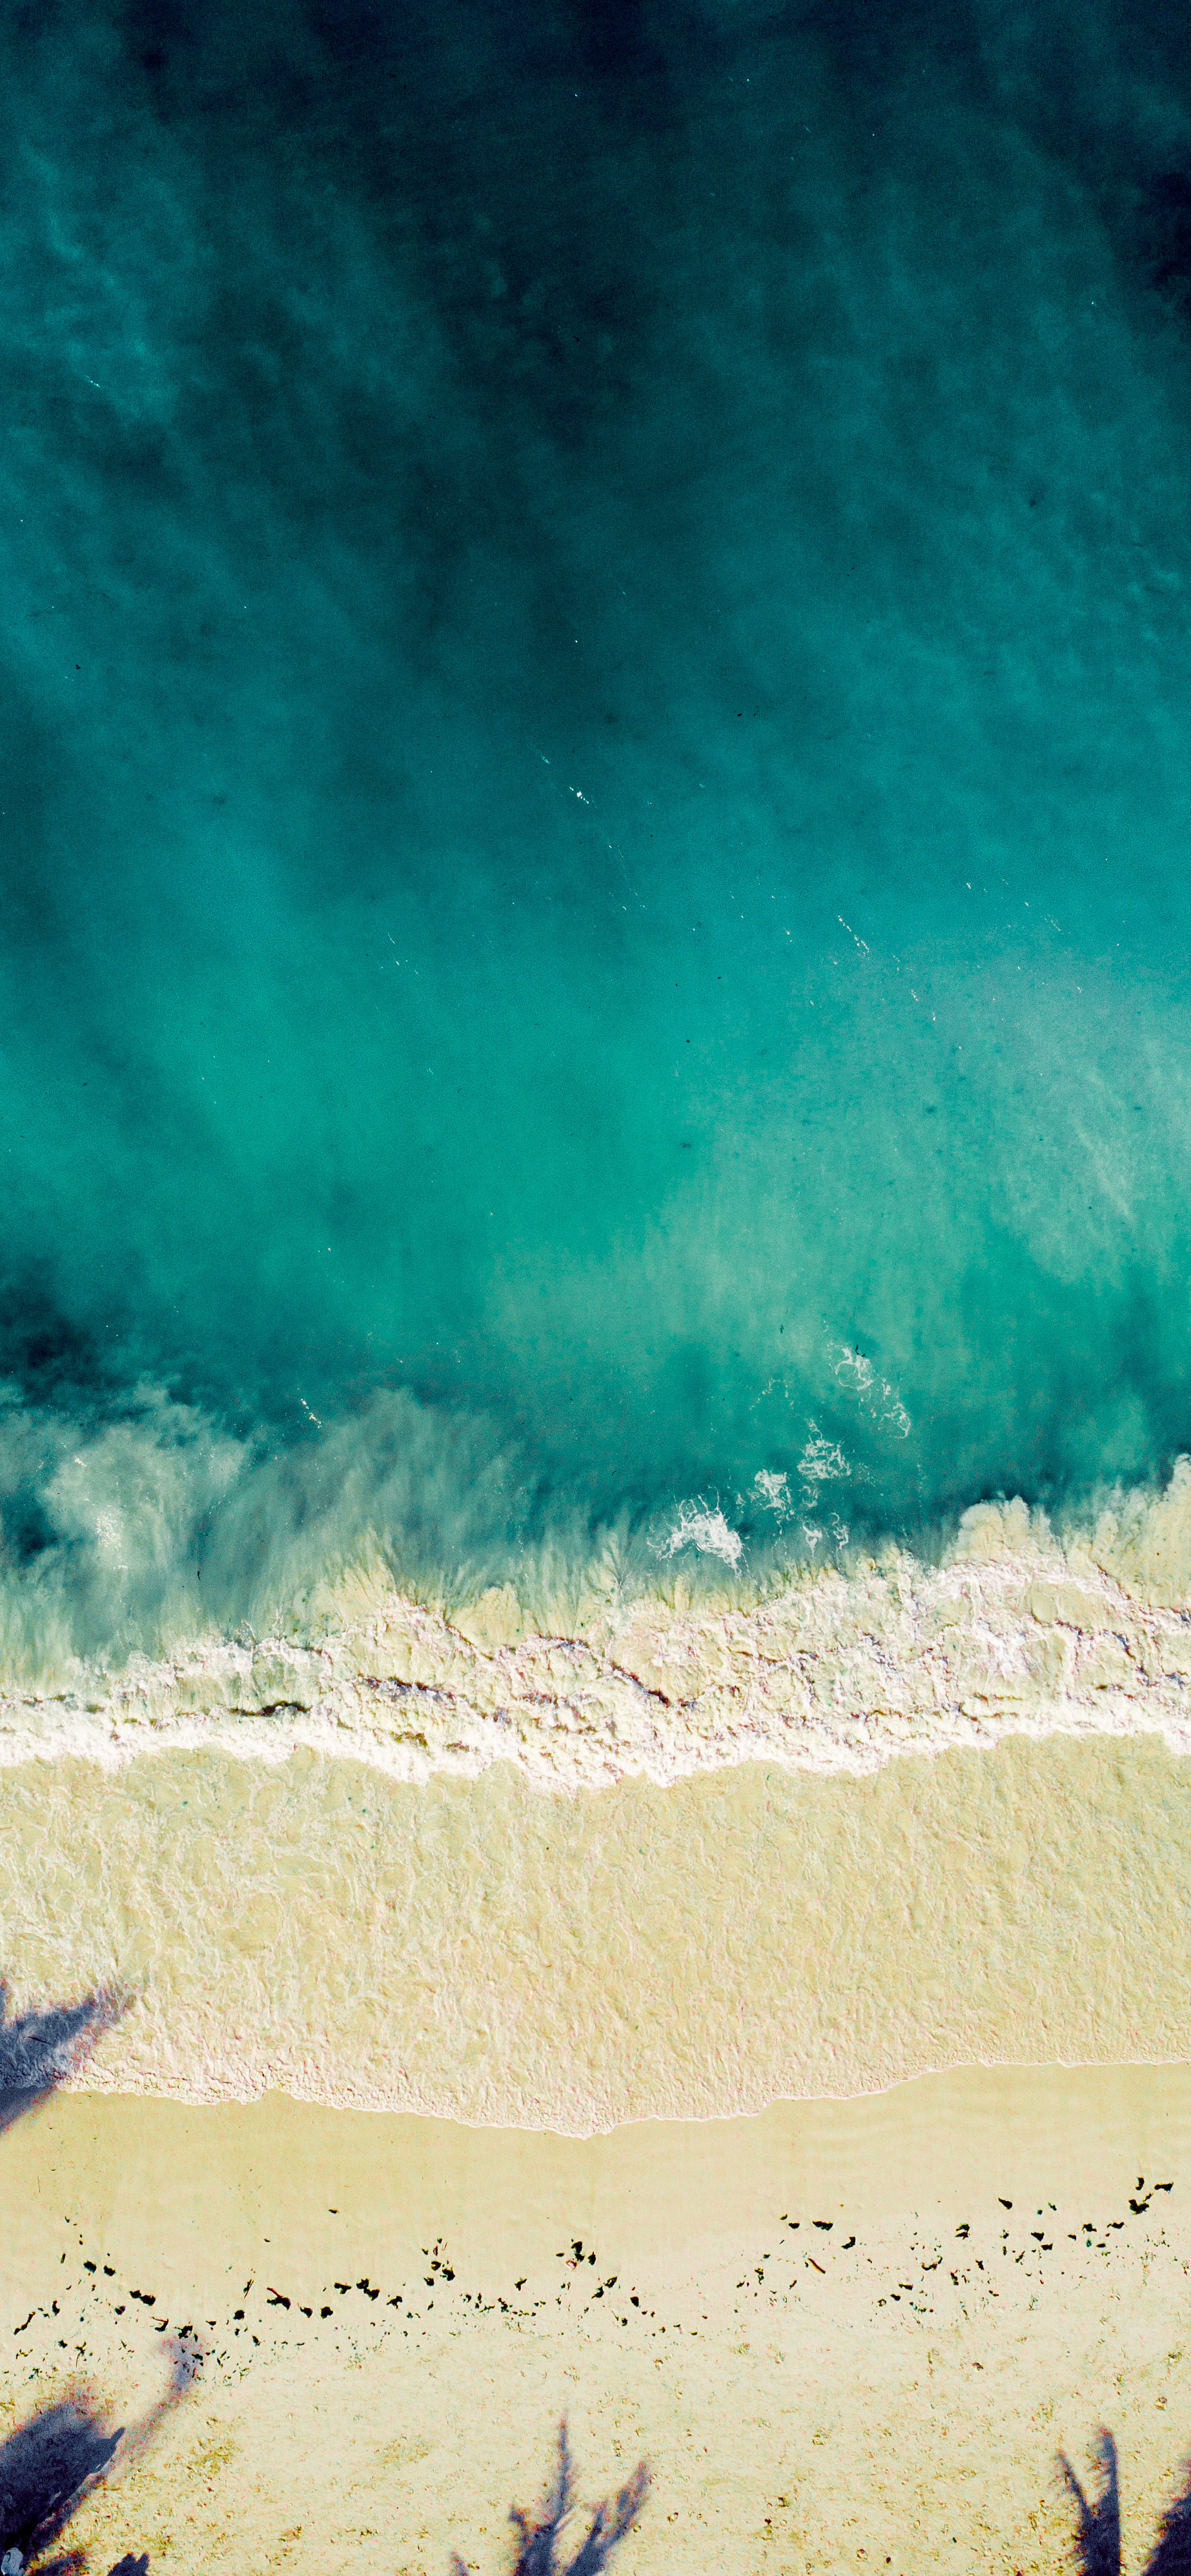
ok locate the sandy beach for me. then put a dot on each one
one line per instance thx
(595, 1285)
(842, 2334)
(470, 1949)
(440, 2109)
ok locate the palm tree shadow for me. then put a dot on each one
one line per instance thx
(53, 2463)
(47, 2468)
(1098, 2538)
(1098, 2541)
(39, 2050)
(610, 2522)
(1171, 2554)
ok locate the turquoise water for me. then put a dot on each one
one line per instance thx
(595, 774)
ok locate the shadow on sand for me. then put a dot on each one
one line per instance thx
(39, 2050)
(609, 2524)
(52, 2464)
(1098, 2538)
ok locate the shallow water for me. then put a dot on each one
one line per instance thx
(477, 1951)
(593, 773)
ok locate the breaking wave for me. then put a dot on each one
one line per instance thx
(157, 1566)
(147, 1524)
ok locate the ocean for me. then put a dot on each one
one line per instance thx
(594, 781)
(595, 1282)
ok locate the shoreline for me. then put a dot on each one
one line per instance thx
(960, 2137)
(1014, 1634)
(87, 2088)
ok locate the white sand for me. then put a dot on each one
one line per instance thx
(877, 2411)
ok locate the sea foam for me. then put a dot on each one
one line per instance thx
(1017, 1630)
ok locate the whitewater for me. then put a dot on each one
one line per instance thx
(1012, 1632)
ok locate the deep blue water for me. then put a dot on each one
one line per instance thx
(595, 779)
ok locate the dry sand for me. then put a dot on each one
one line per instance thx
(806, 2402)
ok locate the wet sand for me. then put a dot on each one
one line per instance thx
(805, 2401)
